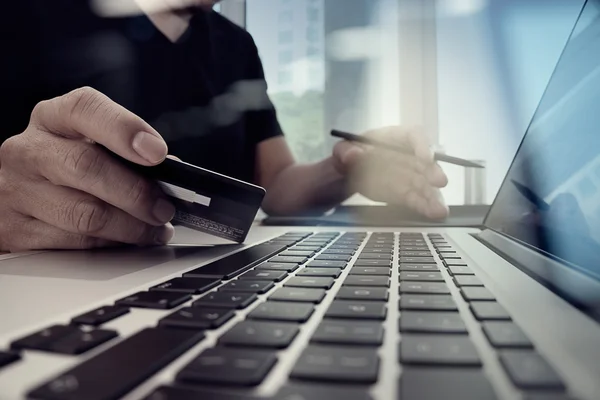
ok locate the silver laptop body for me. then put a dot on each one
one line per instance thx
(510, 311)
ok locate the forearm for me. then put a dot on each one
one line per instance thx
(302, 188)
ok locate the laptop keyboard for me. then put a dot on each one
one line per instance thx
(277, 287)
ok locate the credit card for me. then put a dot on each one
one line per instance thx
(207, 201)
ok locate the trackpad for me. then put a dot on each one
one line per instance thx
(94, 265)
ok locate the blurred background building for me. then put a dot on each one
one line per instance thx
(469, 72)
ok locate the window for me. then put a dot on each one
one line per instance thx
(286, 17)
(306, 111)
(286, 57)
(312, 51)
(313, 14)
(285, 78)
(312, 34)
(286, 37)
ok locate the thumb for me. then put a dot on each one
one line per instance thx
(346, 156)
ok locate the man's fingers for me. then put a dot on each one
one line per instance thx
(87, 113)
(420, 144)
(80, 213)
(347, 156)
(436, 176)
(413, 138)
(89, 168)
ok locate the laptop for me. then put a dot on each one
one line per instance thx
(509, 311)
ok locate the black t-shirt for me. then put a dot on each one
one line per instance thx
(205, 94)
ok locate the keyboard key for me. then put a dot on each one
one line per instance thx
(450, 257)
(231, 266)
(414, 248)
(288, 267)
(293, 260)
(310, 282)
(460, 270)
(188, 285)
(327, 264)
(195, 393)
(297, 253)
(301, 234)
(356, 310)
(384, 241)
(431, 322)
(417, 260)
(230, 300)
(317, 242)
(438, 350)
(8, 357)
(247, 286)
(375, 250)
(372, 263)
(123, 366)
(389, 247)
(79, 342)
(100, 315)
(367, 280)
(298, 294)
(506, 335)
(406, 253)
(334, 257)
(228, 366)
(264, 275)
(197, 318)
(362, 293)
(311, 246)
(548, 396)
(427, 302)
(317, 392)
(477, 293)
(454, 263)
(155, 299)
(281, 242)
(42, 340)
(347, 252)
(343, 247)
(467, 280)
(301, 247)
(282, 311)
(349, 332)
(351, 365)
(418, 267)
(424, 288)
(260, 334)
(489, 310)
(421, 276)
(324, 272)
(528, 370)
(374, 256)
(370, 271)
(417, 383)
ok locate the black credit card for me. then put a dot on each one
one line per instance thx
(207, 201)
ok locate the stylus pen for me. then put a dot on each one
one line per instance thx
(436, 156)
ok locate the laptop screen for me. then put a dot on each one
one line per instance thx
(550, 198)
